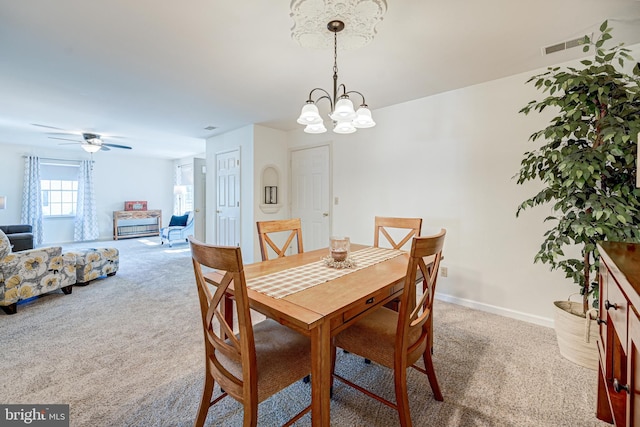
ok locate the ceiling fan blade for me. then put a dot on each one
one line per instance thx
(66, 139)
(45, 126)
(70, 143)
(103, 148)
(116, 146)
(65, 133)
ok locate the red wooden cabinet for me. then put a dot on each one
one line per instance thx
(619, 347)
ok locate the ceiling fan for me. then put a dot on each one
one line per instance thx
(91, 142)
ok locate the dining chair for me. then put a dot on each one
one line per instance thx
(398, 340)
(389, 228)
(278, 229)
(392, 229)
(257, 362)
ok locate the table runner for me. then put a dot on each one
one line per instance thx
(286, 282)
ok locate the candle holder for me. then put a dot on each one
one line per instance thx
(339, 249)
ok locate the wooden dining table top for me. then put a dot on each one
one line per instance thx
(307, 307)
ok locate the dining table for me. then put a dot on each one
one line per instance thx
(304, 292)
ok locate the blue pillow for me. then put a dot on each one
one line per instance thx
(178, 221)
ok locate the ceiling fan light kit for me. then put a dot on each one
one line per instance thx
(91, 148)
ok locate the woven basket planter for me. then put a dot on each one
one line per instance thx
(577, 339)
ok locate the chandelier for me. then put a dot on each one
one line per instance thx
(345, 118)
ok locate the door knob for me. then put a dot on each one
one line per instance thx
(325, 213)
(197, 210)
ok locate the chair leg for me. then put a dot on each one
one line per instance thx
(431, 374)
(250, 418)
(67, 289)
(205, 402)
(402, 398)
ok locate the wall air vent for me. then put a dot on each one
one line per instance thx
(564, 45)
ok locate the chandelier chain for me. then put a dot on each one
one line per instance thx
(335, 52)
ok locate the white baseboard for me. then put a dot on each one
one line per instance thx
(501, 311)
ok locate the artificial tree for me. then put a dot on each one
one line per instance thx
(587, 164)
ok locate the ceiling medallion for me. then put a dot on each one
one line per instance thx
(359, 16)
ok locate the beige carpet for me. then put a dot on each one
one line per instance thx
(127, 351)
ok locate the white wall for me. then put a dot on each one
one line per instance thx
(118, 177)
(270, 149)
(243, 139)
(450, 159)
(259, 147)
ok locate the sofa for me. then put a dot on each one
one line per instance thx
(180, 227)
(33, 272)
(20, 236)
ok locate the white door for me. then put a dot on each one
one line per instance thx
(228, 201)
(310, 194)
(199, 198)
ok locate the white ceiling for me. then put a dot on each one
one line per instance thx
(158, 72)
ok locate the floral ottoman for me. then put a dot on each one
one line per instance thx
(94, 263)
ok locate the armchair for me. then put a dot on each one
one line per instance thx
(180, 227)
(33, 272)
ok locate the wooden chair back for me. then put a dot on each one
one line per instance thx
(414, 316)
(269, 229)
(388, 228)
(218, 334)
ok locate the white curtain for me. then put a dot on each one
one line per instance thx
(86, 222)
(32, 197)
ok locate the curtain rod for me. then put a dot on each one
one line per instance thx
(58, 160)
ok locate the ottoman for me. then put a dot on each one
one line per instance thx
(94, 263)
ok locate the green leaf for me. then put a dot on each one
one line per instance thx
(603, 26)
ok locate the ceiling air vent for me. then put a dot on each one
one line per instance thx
(564, 45)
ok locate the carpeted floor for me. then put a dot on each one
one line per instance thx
(127, 351)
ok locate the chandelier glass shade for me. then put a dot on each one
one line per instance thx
(345, 118)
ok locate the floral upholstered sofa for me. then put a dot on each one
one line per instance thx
(33, 272)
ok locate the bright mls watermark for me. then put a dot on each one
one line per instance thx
(34, 415)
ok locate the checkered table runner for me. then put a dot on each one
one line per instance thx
(286, 282)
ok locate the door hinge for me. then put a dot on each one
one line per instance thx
(238, 204)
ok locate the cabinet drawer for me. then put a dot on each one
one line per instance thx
(365, 304)
(618, 311)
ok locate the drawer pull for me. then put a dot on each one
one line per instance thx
(608, 305)
(618, 388)
(601, 322)
(370, 300)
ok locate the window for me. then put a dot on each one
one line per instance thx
(59, 186)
